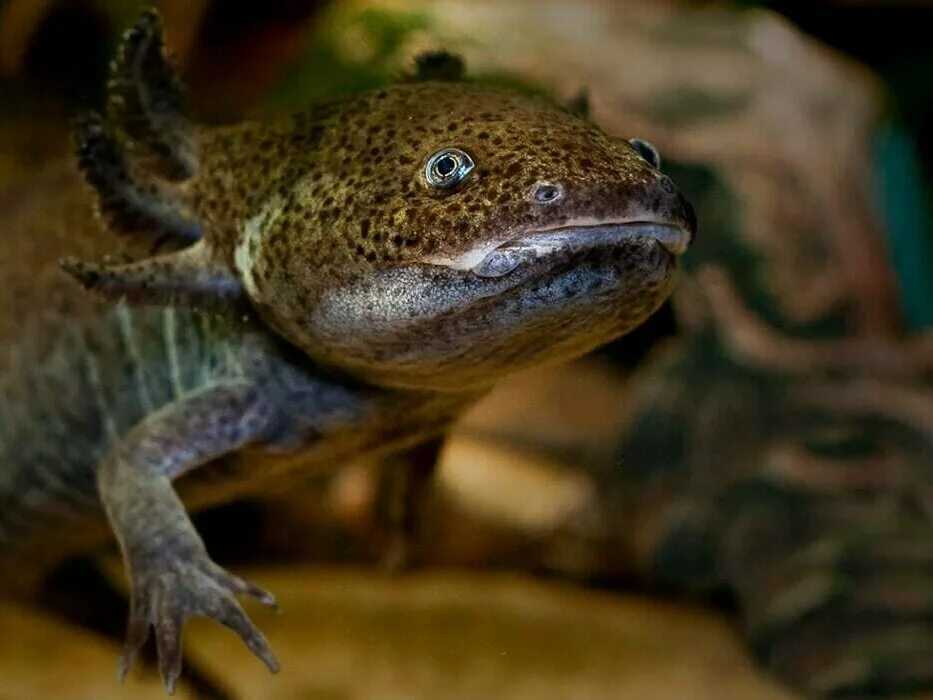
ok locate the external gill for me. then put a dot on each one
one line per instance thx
(128, 201)
(136, 159)
(144, 99)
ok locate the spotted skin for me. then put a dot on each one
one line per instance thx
(343, 200)
(311, 306)
(349, 175)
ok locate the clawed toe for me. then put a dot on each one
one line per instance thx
(238, 585)
(168, 643)
(137, 632)
(232, 616)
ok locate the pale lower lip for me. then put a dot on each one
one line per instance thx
(510, 255)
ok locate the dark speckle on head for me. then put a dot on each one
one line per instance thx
(385, 202)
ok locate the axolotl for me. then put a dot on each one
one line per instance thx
(333, 283)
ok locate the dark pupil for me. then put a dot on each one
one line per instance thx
(445, 165)
(547, 193)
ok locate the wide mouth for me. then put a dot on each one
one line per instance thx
(506, 257)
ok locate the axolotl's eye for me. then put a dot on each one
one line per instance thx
(448, 168)
(648, 152)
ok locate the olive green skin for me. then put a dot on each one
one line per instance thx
(342, 235)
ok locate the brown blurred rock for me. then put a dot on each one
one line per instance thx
(458, 636)
(44, 659)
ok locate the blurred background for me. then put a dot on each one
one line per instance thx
(735, 501)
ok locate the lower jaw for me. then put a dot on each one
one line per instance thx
(617, 276)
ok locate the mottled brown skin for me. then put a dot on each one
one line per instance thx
(343, 192)
(313, 307)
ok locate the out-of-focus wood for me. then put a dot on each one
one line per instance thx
(44, 659)
(453, 636)
(28, 145)
(182, 19)
(18, 20)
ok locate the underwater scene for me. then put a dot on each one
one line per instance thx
(454, 350)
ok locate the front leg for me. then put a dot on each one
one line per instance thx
(171, 574)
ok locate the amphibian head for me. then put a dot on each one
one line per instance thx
(439, 235)
(433, 234)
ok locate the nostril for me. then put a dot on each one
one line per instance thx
(667, 184)
(546, 192)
